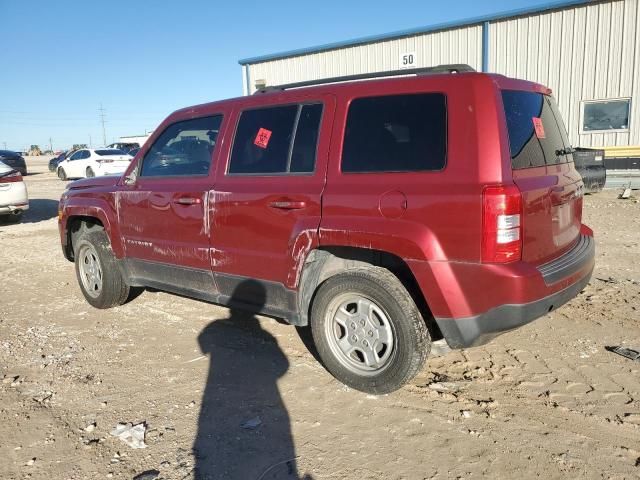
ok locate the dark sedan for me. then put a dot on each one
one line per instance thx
(14, 160)
(53, 163)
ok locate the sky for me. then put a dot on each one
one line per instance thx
(60, 61)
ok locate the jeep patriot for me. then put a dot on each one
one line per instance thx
(386, 213)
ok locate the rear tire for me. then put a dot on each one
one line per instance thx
(13, 218)
(62, 175)
(98, 274)
(368, 331)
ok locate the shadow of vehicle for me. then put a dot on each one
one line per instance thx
(40, 209)
(244, 430)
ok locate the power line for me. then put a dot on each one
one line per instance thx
(104, 133)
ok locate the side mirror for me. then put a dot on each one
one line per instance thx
(132, 177)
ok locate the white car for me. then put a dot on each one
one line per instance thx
(89, 162)
(13, 193)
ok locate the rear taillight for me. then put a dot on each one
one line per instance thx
(10, 177)
(501, 224)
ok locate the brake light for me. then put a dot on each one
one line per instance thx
(501, 224)
(13, 176)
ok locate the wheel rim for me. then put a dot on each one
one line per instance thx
(360, 334)
(90, 271)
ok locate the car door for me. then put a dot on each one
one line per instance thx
(164, 212)
(83, 163)
(268, 197)
(74, 165)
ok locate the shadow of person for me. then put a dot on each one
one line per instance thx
(243, 429)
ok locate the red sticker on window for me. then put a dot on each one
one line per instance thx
(537, 124)
(262, 138)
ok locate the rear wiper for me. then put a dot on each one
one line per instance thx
(565, 151)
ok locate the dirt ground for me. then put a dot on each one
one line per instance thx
(243, 398)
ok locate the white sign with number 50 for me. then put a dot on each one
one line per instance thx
(408, 60)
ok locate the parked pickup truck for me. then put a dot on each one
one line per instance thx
(386, 214)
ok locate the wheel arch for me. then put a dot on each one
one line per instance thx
(90, 217)
(324, 262)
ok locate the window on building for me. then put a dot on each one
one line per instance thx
(276, 140)
(398, 133)
(605, 115)
(184, 148)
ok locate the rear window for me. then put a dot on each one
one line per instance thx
(537, 136)
(398, 133)
(112, 151)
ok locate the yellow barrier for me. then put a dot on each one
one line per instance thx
(620, 152)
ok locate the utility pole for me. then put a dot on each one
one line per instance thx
(50, 145)
(90, 141)
(5, 145)
(104, 134)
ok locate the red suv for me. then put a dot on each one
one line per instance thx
(387, 214)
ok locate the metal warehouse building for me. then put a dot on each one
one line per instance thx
(587, 52)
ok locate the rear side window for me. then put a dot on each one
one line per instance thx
(399, 133)
(303, 154)
(111, 151)
(276, 140)
(537, 135)
(183, 148)
(80, 154)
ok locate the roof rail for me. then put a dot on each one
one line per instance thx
(453, 68)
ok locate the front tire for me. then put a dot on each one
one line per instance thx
(368, 331)
(98, 275)
(62, 175)
(90, 173)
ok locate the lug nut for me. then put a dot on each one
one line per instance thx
(370, 333)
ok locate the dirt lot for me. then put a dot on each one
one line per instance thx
(243, 398)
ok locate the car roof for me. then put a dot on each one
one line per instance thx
(462, 78)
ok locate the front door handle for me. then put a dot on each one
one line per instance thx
(288, 204)
(188, 200)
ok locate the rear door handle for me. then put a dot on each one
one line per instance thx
(288, 204)
(188, 200)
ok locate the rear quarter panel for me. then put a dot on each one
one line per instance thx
(442, 220)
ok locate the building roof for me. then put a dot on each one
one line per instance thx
(556, 5)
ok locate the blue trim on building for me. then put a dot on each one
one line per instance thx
(485, 46)
(417, 31)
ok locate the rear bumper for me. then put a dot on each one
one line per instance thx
(480, 329)
(14, 199)
(13, 209)
(473, 303)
